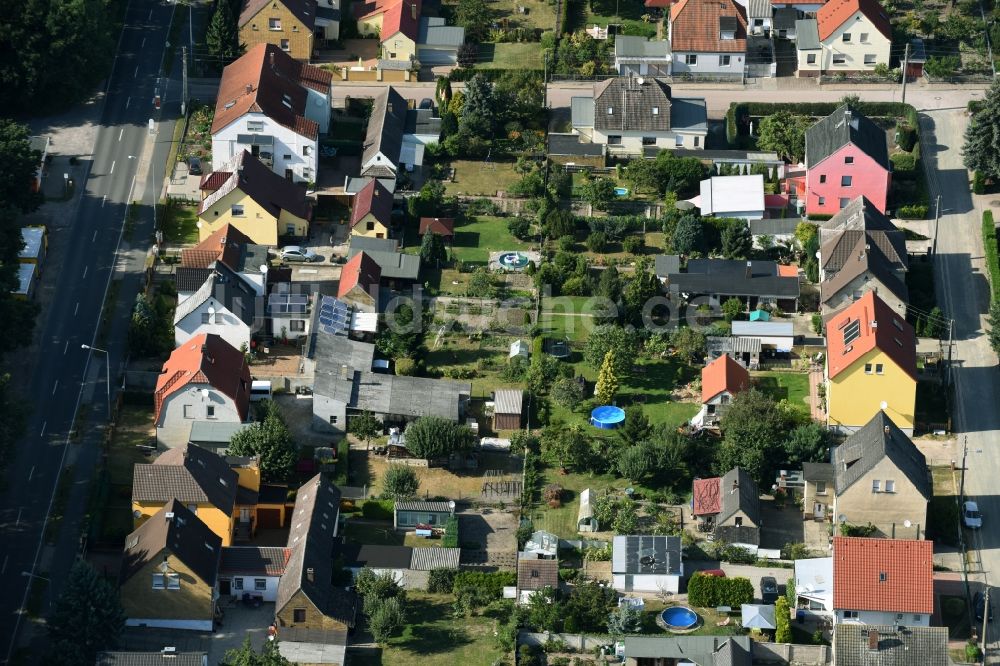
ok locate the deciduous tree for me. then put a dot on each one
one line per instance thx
(753, 429)
(784, 133)
(365, 427)
(270, 441)
(87, 619)
(736, 240)
(245, 655)
(399, 482)
(634, 462)
(435, 437)
(599, 192)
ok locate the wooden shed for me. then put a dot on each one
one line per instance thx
(508, 404)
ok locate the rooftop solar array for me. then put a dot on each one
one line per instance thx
(279, 303)
(334, 316)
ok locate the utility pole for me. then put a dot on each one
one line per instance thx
(937, 219)
(545, 80)
(906, 61)
(986, 618)
(184, 80)
(951, 338)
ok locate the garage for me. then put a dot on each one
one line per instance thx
(430, 57)
(269, 519)
(437, 43)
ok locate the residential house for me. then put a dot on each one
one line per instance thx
(813, 581)
(225, 305)
(758, 283)
(397, 24)
(646, 564)
(708, 37)
(371, 213)
(729, 507)
(359, 283)
(384, 136)
(275, 107)
(170, 654)
(732, 196)
(287, 24)
(847, 156)
(313, 612)
(442, 226)
(289, 312)
(253, 570)
(846, 37)
(776, 337)
(760, 16)
(227, 245)
(508, 409)
(169, 571)
(408, 514)
(533, 576)
(865, 269)
(641, 56)
(246, 195)
(398, 270)
(881, 479)
(860, 217)
(214, 435)
(889, 645)
(438, 43)
(204, 379)
(721, 380)
(883, 581)
(632, 114)
(817, 491)
(697, 650)
(871, 366)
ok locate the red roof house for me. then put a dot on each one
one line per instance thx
(833, 14)
(359, 281)
(706, 498)
(723, 376)
(372, 212)
(442, 226)
(873, 578)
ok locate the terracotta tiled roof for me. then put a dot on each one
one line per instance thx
(398, 16)
(866, 324)
(833, 14)
(889, 575)
(658, 3)
(443, 226)
(205, 359)
(705, 495)
(303, 10)
(723, 374)
(213, 180)
(223, 245)
(695, 26)
(375, 199)
(537, 574)
(267, 80)
(360, 271)
(788, 271)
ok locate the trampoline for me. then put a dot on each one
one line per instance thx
(679, 618)
(607, 417)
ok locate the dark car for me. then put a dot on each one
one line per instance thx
(768, 589)
(979, 606)
(194, 166)
(426, 103)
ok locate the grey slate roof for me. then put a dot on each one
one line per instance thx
(845, 126)
(732, 653)
(782, 226)
(728, 277)
(759, 9)
(745, 499)
(867, 258)
(385, 127)
(785, 18)
(807, 35)
(689, 113)
(422, 121)
(188, 473)
(630, 47)
(229, 289)
(433, 32)
(428, 559)
(582, 111)
(880, 438)
(702, 650)
(570, 144)
(897, 646)
(151, 659)
(622, 103)
(742, 534)
(187, 278)
(860, 219)
(646, 554)
(665, 264)
(311, 539)
(508, 401)
(394, 265)
(371, 244)
(254, 560)
(416, 505)
(183, 534)
(217, 433)
(817, 471)
(328, 13)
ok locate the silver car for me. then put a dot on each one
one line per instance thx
(298, 253)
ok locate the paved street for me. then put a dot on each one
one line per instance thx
(82, 283)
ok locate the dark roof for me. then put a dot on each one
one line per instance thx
(779, 226)
(174, 528)
(442, 226)
(646, 555)
(151, 659)
(570, 144)
(367, 243)
(860, 219)
(254, 560)
(303, 10)
(393, 265)
(665, 264)
(729, 277)
(817, 471)
(738, 534)
(785, 18)
(622, 103)
(272, 494)
(880, 438)
(385, 128)
(417, 505)
(375, 556)
(896, 645)
(271, 192)
(688, 113)
(867, 258)
(732, 653)
(845, 126)
(311, 540)
(701, 650)
(228, 288)
(190, 279)
(188, 473)
(373, 198)
(535, 574)
(745, 499)
(422, 121)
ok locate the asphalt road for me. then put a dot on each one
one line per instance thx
(56, 386)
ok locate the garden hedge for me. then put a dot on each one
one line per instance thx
(487, 583)
(992, 259)
(815, 109)
(450, 539)
(713, 591)
(378, 509)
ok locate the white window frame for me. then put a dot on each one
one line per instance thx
(255, 126)
(691, 59)
(810, 58)
(839, 58)
(259, 584)
(876, 486)
(238, 584)
(274, 24)
(890, 486)
(159, 581)
(173, 581)
(188, 411)
(725, 60)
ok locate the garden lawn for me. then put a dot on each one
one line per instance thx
(522, 55)
(180, 222)
(132, 429)
(479, 178)
(627, 14)
(373, 534)
(475, 239)
(790, 386)
(433, 636)
(561, 521)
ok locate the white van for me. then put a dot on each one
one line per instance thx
(260, 390)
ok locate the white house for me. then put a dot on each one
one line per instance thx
(646, 564)
(205, 379)
(813, 582)
(641, 56)
(253, 570)
(225, 305)
(846, 37)
(708, 37)
(276, 108)
(883, 581)
(732, 196)
(290, 312)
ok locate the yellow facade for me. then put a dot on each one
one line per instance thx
(248, 476)
(252, 219)
(216, 520)
(194, 600)
(370, 227)
(274, 24)
(399, 47)
(371, 25)
(854, 396)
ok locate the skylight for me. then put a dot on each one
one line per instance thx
(852, 331)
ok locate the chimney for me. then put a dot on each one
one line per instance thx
(249, 88)
(272, 59)
(343, 372)
(873, 640)
(887, 430)
(749, 271)
(311, 575)
(413, 11)
(736, 486)
(874, 323)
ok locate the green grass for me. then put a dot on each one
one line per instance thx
(943, 480)
(525, 55)
(132, 429)
(373, 535)
(627, 14)
(478, 178)
(790, 386)
(475, 239)
(434, 637)
(179, 222)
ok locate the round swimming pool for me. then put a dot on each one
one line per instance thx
(679, 618)
(513, 260)
(607, 417)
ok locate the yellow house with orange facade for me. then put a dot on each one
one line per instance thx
(871, 366)
(288, 24)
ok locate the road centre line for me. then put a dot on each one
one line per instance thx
(85, 269)
(31, 474)
(42, 434)
(55, 387)
(113, 162)
(120, 132)
(4, 567)
(77, 308)
(127, 102)
(94, 238)
(66, 347)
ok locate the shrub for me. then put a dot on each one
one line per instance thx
(817, 323)
(903, 162)
(906, 137)
(406, 367)
(450, 539)
(711, 591)
(378, 509)
(487, 584)
(783, 630)
(978, 183)
(912, 211)
(992, 260)
(566, 574)
(634, 244)
(441, 580)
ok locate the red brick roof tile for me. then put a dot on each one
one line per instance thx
(723, 374)
(694, 26)
(890, 575)
(373, 198)
(205, 359)
(833, 14)
(878, 326)
(360, 271)
(442, 226)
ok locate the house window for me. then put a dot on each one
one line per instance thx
(255, 125)
(611, 110)
(822, 201)
(210, 411)
(679, 141)
(299, 615)
(697, 141)
(259, 584)
(864, 38)
(849, 159)
(868, 368)
(876, 485)
(307, 173)
(333, 420)
(739, 521)
(614, 140)
(850, 615)
(306, 149)
(879, 369)
(839, 58)
(649, 140)
(237, 583)
(285, 45)
(431, 519)
(656, 110)
(691, 59)
(821, 487)
(843, 202)
(206, 318)
(890, 486)
(870, 59)
(297, 325)
(822, 178)
(916, 618)
(188, 412)
(286, 157)
(899, 617)
(882, 576)
(845, 181)
(173, 581)
(811, 59)
(159, 581)
(370, 226)
(724, 60)
(847, 38)
(236, 210)
(274, 24)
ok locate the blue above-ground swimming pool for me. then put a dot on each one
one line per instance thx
(621, 191)
(607, 417)
(679, 618)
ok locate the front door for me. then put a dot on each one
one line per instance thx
(224, 587)
(244, 515)
(255, 150)
(288, 174)
(819, 511)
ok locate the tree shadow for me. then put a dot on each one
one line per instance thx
(424, 635)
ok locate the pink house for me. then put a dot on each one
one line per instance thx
(847, 156)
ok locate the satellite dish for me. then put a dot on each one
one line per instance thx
(137, 514)
(883, 405)
(640, 80)
(451, 504)
(907, 523)
(684, 205)
(842, 518)
(204, 393)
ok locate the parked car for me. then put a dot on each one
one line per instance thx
(768, 589)
(426, 103)
(297, 253)
(971, 516)
(718, 573)
(979, 606)
(194, 166)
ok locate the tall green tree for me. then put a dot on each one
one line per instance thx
(635, 429)
(566, 445)
(479, 115)
(435, 437)
(689, 236)
(223, 36)
(635, 462)
(245, 655)
(624, 342)
(365, 427)
(599, 192)
(736, 240)
(753, 429)
(385, 617)
(640, 288)
(566, 391)
(87, 619)
(399, 482)
(609, 285)
(607, 380)
(981, 151)
(475, 16)
(270, 441)
(18, 163)
(432, 250)
(784, 132)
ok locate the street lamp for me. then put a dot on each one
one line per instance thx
(107, 368)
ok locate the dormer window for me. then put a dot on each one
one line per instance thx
(727, 27)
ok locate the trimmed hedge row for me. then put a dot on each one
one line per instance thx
(815, 109)
(378, 509)
(712, 591)
(992, 258)
(450, 539)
